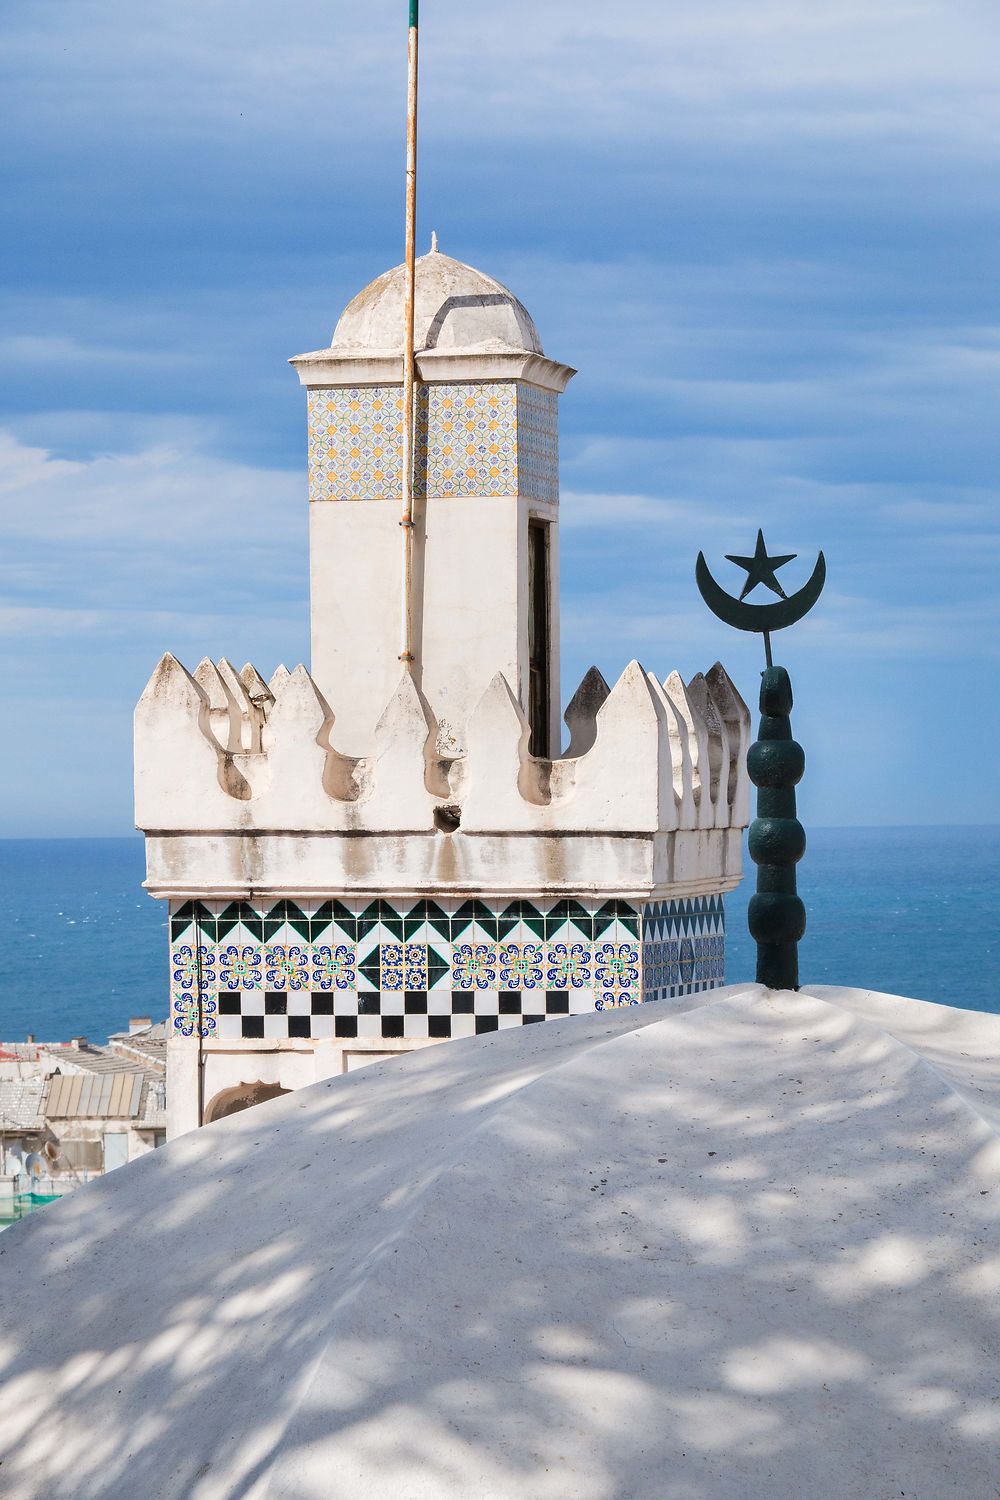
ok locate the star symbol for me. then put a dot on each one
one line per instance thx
(761, 569)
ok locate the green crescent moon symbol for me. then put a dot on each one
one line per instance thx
(759, 617)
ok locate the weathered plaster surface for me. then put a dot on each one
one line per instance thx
(741, 1246)
(654, 806)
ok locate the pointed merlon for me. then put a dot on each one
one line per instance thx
(259, 692)
(674, 811)
(250, 717)
(617, 781)
(581, 713)
(719, 755)
(737, 717)
(178, 764)
(172, 687)
(697, 732)
(224, 713)
(304, 765)
(501, 779)
(396, 790)
(301, 705)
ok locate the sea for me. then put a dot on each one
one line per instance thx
(911, 911)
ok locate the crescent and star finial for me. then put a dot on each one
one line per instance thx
(761, 568)
(775, 763)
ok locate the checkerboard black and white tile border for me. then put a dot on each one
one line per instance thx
(417, 1014)
(428, 970)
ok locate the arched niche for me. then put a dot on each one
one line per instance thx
(241, 1096)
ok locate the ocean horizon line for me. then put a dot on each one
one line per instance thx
(122, 838)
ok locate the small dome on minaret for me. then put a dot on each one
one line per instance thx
(457, 308)
(485, 477)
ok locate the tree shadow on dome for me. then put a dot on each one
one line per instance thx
(738, 1251)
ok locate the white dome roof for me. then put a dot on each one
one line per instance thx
(457, 308)
(739, 1245)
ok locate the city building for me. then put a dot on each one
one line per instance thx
(71, 1111)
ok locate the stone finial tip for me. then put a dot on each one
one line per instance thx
(434, 242)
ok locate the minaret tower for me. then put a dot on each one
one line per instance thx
(395, 849)
(485, 577)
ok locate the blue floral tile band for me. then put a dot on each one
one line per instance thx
(425, 969)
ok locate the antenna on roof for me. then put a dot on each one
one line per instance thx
(406, 655)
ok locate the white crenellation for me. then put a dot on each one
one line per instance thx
(696, 732)
(682, 761)
(304, 770)
(736, 717)
(492, 782)
(581, 713)
(224, 716)
(180, 772)
(659, 757)
(618, 781)
(247, 716)
(718, 748)
(403, 779)
(261, 701)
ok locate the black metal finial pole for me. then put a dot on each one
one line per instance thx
(775, 762)
(777, 917)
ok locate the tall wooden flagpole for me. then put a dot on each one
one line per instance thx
(406, 654)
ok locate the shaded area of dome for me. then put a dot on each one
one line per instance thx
(738, 1246)
(456, 307)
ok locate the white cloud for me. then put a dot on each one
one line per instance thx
(842, 627)
(24, 622)
(788, 201)
(841, 69)
(172, 497)
(860, 378)
(51, 351)
(880, 629)
(166, 545)
(579, 510)
(45, 622)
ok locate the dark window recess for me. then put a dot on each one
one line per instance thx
(84, 1156)
(538, 637)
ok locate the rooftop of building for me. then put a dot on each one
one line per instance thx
(123, 1054)
(80, 1080)
(21, 1104)
(19, 1052)
(147, 1047)
(746, 1240)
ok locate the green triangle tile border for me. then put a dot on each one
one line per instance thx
(297, 920)
(437, 968)
(439, 920)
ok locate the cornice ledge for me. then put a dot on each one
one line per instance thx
(327, 367)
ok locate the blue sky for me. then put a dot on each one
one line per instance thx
(764, 232)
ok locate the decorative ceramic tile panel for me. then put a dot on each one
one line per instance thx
(355, 443)
(538, 443)
(480, 438)
(427, 969)
(683, 947)
(467, 439)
